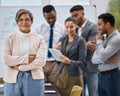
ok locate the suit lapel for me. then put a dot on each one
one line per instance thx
(85, 28)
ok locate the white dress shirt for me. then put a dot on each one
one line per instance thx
(44, 30)
(80, 28)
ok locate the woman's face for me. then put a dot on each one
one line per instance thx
(70, 28)
(24, 23)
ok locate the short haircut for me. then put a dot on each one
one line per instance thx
(77, 8)
(107, 17)
(23, 11)
(48, 9)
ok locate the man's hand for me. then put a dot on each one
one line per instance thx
(112, 58)
(91, 45)
(31, 57)
(99, 37)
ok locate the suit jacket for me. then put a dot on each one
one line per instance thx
(12, 58)
(77, 53)
(89, 33)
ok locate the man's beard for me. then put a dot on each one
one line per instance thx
(80, 21)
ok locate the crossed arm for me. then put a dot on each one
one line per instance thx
(25, 62)
(108, 53)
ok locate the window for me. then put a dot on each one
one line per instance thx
(69, 2)
(20, 2)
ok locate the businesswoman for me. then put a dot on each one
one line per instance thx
(73, 47)
(24, 55)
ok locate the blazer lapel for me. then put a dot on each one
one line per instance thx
(85, 28)
(64, 44)
(32, 44)
(15, 41)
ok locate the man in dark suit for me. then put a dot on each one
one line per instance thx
(88, 30)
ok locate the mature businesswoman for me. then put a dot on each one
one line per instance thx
(73, 48)
(24, 55)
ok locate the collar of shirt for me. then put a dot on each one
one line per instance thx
(48, 25)
(21, 34)
(24, 39)
(80, 28)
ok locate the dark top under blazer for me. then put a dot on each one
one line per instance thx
(77, 53)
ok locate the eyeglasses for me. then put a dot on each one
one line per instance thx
(26, 20)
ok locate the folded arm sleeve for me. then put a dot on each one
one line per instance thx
(40, 58)
(9, 59)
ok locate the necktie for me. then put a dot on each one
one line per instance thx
(50, 40)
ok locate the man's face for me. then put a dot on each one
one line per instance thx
(50, 17)
(78, 16)
(102, 27)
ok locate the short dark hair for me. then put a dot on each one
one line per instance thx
(107, 17)
(48, 9)
(76, 8)
(23, 11)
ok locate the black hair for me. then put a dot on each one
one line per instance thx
(107, 17)
(71, 19)
(48, 9)
(77, 8)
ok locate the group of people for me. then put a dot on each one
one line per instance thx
(90, 55)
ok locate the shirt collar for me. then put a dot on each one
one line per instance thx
(48, 25)
(84, 23)
(21, 34)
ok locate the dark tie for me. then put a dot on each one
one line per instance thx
(50, 41)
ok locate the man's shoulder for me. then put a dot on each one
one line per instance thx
(91, 24)
(57, 24)
(37, 36)
(43, 24)
(117, 35)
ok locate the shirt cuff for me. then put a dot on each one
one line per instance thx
(99, 42)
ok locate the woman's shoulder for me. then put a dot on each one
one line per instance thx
(64, 36)
(10, 35)
(37, 36)
(79, 37)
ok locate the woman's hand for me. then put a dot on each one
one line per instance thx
(15, 67)
(58, 46)
(31, 57)
(65, 59)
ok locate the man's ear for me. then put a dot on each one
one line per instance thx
(108, 24)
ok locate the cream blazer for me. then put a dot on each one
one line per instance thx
(11, 57)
